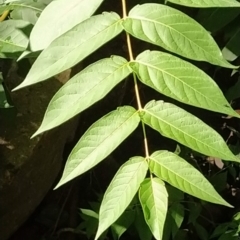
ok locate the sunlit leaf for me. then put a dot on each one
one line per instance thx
(83, 90)
(180, 80)
(206, 3)
(121, 191)
(73, 46)
(59, 17)
(175, 31)
(99, 141)
(154, 200)
(177, 124)
(182, 175)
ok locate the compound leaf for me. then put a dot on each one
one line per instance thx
(182, 175)
(206, 4)
(99, 141)
(180, 80)
(175, 31)
(59, 17)
(154, 201)
(121, 191)
(83, 90)
(177, 124)
(73, 46)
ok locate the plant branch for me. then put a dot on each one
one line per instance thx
(130, 52)
(4, 15)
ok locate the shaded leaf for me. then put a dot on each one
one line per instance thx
(13, 38)
(180, 80)
(154, 201)
(122, 224)
(101, 138)
(177, 124)
(201, 231)
(206, 4)
(175, 31)
(73, 46)
(209, 17)
(27, 10)
(233, 46)
(177, 214)
(233, 92)
(182, 175)
(174, 194)
(83, 90)
(143, 230)
(121, 191)
(58, 18)
(194, 211)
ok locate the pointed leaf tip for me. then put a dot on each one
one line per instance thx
(101, 138)
(121, 191)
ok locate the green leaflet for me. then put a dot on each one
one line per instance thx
(22, 8)
(206, 3)
(177, 124)
(121, 191)
(99, 141)
(83, 90)
(154, 201)
(182, 175)
(13, 38)
(180, 80)
(175, 31)
(58, 18)
(73, 46)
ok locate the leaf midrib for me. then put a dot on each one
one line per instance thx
(157, 117)
(176, 173)
(100, 143)
(167, 26)
(189, 86)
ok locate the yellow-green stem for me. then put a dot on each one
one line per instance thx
(130, 52)
(4, 15)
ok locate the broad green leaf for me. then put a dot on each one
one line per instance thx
(121, 191)
(175, 31)
(154, 200)
(177, 124)
(206, 4)
(83, 90)
(58, 18)
(13, 38)
(99, 141)
(182, 175)
(180, 80)
(73, 46)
